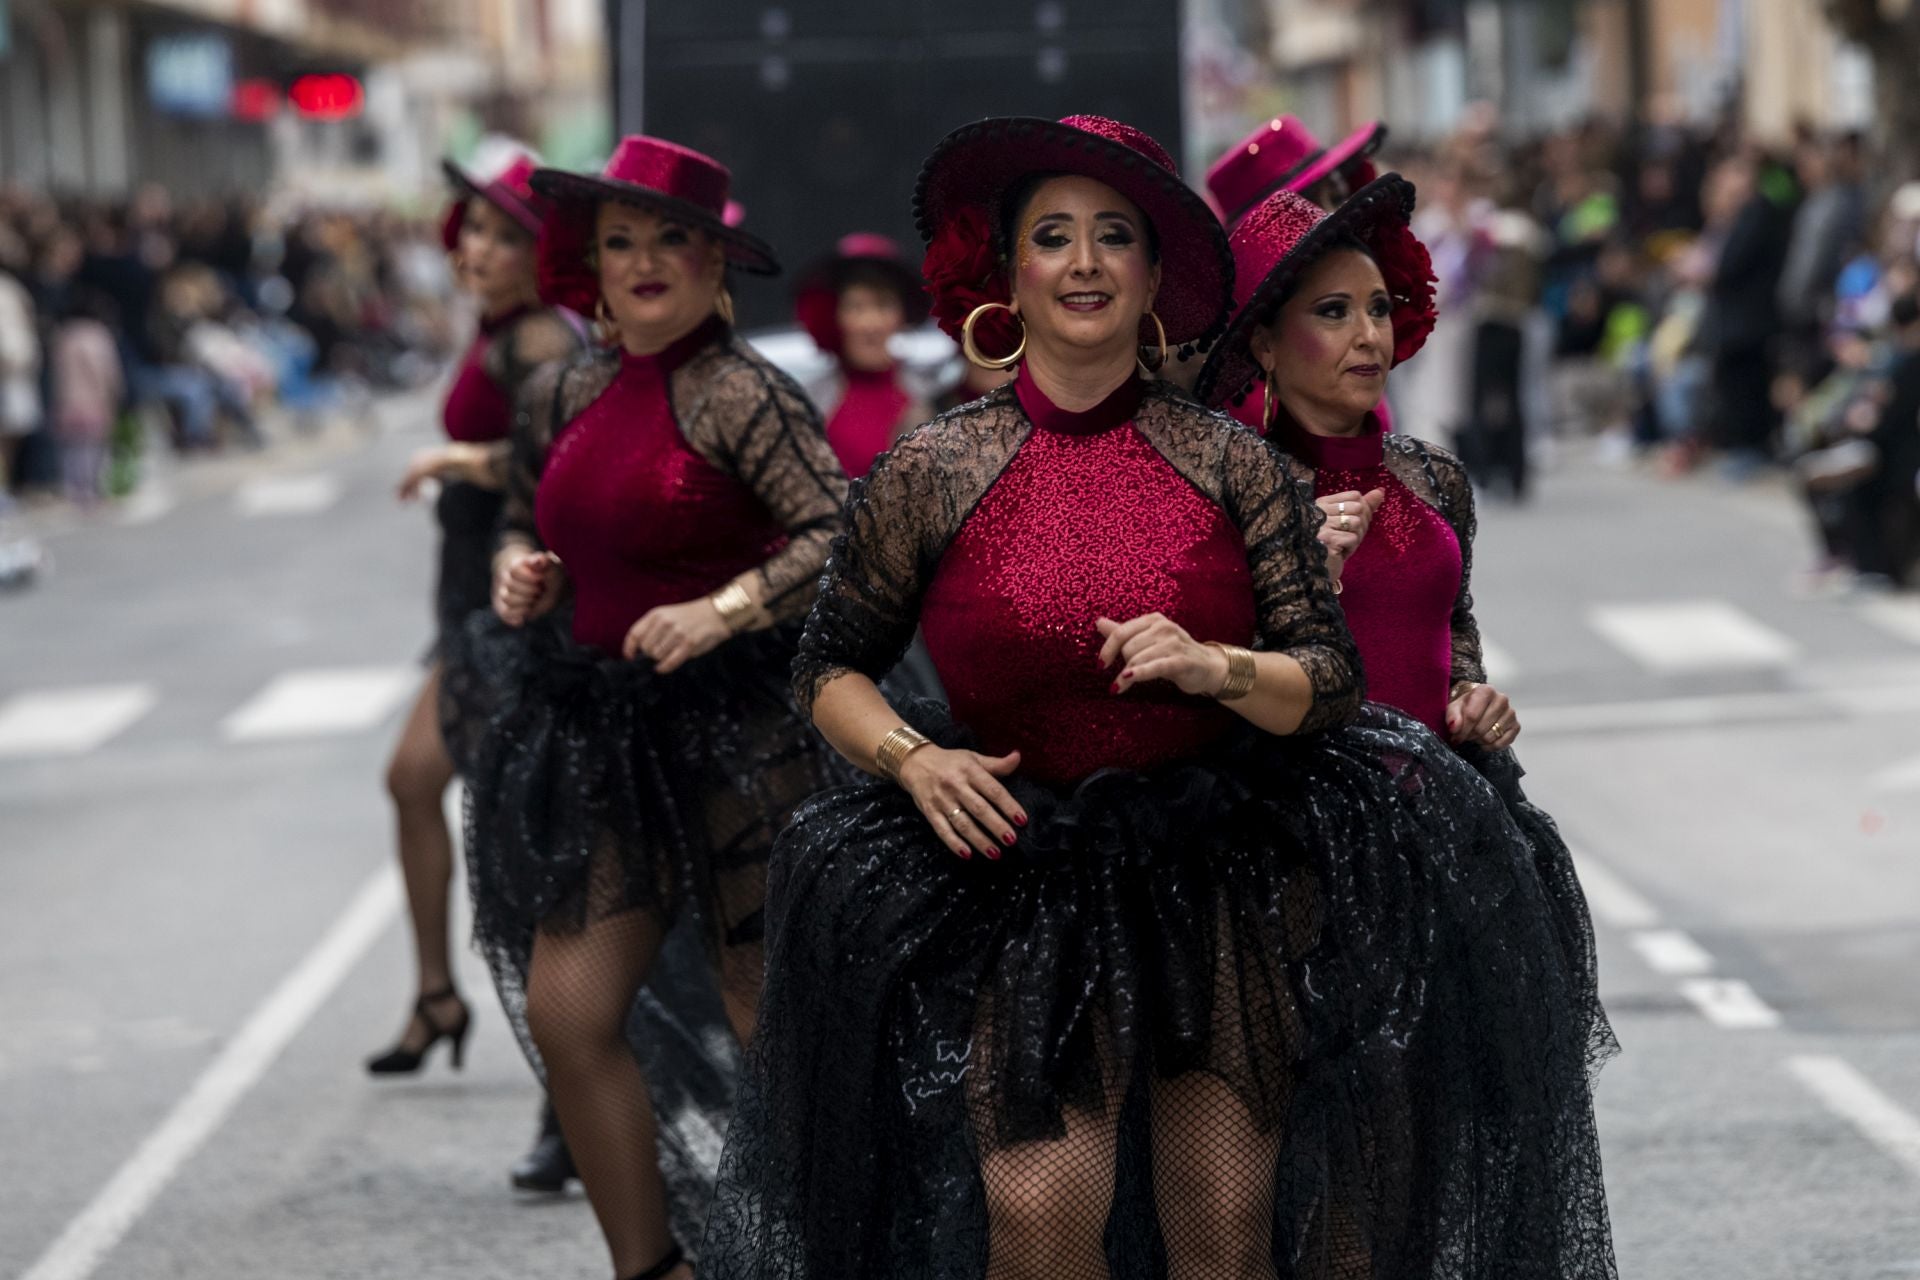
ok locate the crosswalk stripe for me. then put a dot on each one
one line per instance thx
(1671, 952)
(1691, 635)
(1895, 615)
(287, 495)
(1856, 1099)
(1730, 1003)
(303, 704)
(1617, 903)
(69, 721)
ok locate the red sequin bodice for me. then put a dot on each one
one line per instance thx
(1088, 520)
(638, 517)
(478, 409)
(1400, 587)
(864, 421)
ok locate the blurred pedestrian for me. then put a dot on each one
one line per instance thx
(88, 384)
(1742, 317)
(21, 407)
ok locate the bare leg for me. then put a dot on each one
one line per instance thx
(417, 779)
(580, 988)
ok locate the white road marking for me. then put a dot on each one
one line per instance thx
(1730, 1003)
(70, 721)
(1612, 899)
(147, 504)
(1502, 670)
(1896, 615)
(303, 704)
(1904, 776)
(1671, 952)
(1856, 1099)
(1691, 635)
(287, 495)
(87, 1240)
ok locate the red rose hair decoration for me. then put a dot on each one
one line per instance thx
(567, 273)
(818, 311)
(963, 271)
(1407, 268)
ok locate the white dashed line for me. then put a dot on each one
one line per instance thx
(1730, 1003)
(1671, 952)
(287, 495)
(66, 722)
(1692, 635)
(1856, 1099)
(1613, 900)
(303, 704)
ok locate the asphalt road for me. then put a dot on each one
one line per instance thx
(199, 938)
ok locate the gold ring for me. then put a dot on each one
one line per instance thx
(1346, 523)
(958, 813)
(1343, 508)
(1494, 732)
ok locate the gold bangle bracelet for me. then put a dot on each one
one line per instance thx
(733, 604)
(895, 748)
(1240, 671)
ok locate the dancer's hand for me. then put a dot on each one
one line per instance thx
(457, 461)
(962, 799)
(1154, 647)
(1481, 713)
(675, 634)
(1349, 516)
(526, 585)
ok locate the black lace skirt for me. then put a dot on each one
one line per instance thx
(469, 518)
(1553, 863)
(1299, 1005)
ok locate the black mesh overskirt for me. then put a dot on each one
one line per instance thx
(469, 518)
(1301, 995)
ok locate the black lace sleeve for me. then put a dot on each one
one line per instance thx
(1299, 615)
(1270, 499)
(550, 397)
(900, 518)
(752, 421)
(540, 338)
(1442, 480)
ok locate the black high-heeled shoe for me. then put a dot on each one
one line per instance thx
(402, 1061)
(658, 1271)
(548, 1165)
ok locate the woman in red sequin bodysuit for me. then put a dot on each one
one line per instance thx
(1157, 952)
(1327, 304)
(490, 231)
(676, 491)
(853, 305)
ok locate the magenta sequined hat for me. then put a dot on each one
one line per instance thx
(1285, 234)
(1283, 155)
(668, 178)
(965, 177)
(510, 191)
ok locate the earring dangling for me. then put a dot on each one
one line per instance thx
(605, 330)
(1161, 362)
(1270, 409)
(972, 351)
(723, 306)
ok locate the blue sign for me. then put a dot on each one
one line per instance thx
(191, 75)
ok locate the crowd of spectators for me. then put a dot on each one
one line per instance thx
(1691, 298)
(123, 323)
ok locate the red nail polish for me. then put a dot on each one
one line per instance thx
(963, 851)
(1114, 687)
(993, 855)
(1127, 674)
(1020, 820)
(1006, 838)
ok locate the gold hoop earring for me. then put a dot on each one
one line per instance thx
(604, 327)
(1271, 408)
(1161, 362)
(723, 306)
(972, 352)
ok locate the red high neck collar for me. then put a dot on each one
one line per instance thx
(1119, 406)
(663, 362)
(1340, 453)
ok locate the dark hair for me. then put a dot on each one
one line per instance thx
(1904, 311)
(1345, 241)
(871, 275)
(1020, 195)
